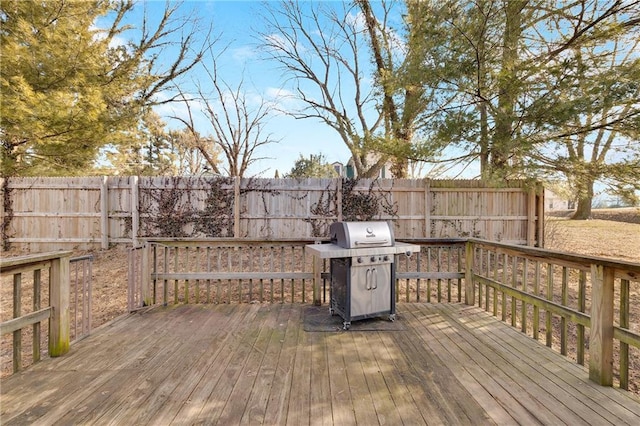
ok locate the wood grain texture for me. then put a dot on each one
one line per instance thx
(254, 363)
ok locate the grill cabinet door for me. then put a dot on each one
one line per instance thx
(370, 289)
(381, 288)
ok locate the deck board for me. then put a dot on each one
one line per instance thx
(255, 364)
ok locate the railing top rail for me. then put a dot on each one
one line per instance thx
(10, 263)
(169, 240)
(554, 255)
(231, 241)
(81, 258)
(631, 269)
(433, 241)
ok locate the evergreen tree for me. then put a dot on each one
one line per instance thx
(315, 166)
(69, 87)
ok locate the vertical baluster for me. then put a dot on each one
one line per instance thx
(486, 273)
(155, 272)
(547, 314)
(37, 305)
(250, 250)
(439, 266)
(209, 271)
(176, 268)
(449, 270)
(624, 323)
(418, 259)
(237, 250)
(495, 277)
(271, 270)
(76, 296)
(536, 309)
(293, 269)
(281, 270)
(186, 269)
(523, 318)
(17, 312)
(229, 269)
(582, 305)
(165, 283)
(565, 302)
(303, 254)
(428, 270)
(505, 261)
(219, 269)
(407, 280)
(197, 269)
(514, 284)
(460, 270)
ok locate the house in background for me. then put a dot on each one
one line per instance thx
(349, 171)
(553, 202)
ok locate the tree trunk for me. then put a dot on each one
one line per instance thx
(502, 146)
(585, 198)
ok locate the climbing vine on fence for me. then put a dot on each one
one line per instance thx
(357, 204)
(372, 203)
(324, 211)
(194, 207)
(172, 209)
(216, 219)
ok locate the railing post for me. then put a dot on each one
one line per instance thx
(601, 334)
(469, 287)
(59, 322)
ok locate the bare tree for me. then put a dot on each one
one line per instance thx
(237, 124)
(322, 52)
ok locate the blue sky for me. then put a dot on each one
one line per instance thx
(236, 23)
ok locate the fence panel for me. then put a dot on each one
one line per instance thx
(42, 214)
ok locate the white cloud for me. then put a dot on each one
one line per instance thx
(243, 54)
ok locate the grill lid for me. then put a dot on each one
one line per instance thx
(361, 234)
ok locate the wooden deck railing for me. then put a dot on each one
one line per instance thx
(29, 296)
(56, 265)
(578, 304)
(567, 300)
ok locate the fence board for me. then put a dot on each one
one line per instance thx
(97, 212)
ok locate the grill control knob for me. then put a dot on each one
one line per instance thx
(359, 260)
(386, 258)
(373, 258)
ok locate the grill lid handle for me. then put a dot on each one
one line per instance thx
(371, 243)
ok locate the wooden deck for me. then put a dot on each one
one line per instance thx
(255, 364)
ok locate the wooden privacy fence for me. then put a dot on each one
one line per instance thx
(583, 307)
(96, 212)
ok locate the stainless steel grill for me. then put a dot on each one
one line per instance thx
(362, 261)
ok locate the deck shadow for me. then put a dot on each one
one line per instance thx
(318, 319)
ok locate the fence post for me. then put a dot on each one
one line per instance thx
(135, 210)
(104, 212)
(236, 207)
(469, 287)
(601, 335)
(531, 217)
(427, 207)
(540, 215)
(59, 322)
